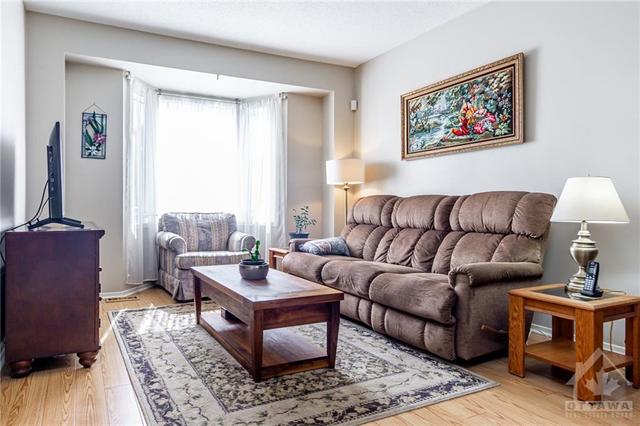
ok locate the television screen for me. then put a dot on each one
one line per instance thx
(54, 183)
(54, 173)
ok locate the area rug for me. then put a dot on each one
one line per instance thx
(182, 376)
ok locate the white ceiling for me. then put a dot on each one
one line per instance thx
(339, 32)
(200, 83)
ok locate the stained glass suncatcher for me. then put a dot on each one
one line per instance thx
(94, 135)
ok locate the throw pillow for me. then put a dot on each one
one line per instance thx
(334, 245)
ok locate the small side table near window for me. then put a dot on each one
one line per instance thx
(275, 257)
(587, 317)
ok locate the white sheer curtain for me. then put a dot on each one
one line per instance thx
(193, 154)
(197, 155)
(139, 182)
(262, 146)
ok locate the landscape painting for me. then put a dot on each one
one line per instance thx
(477, 109)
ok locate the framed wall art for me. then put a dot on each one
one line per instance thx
(94, 135)
(477, 109)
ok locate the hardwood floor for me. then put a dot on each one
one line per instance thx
(60, 391)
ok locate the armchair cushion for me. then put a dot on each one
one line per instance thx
(171, 241)
(206, 258)
(239, 241)
(489, 272)
(201, 231)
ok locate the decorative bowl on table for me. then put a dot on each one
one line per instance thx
(253, 269)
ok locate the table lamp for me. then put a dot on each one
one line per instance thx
(586, 200)
(345, 172)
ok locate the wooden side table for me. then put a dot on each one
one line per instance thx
(562, 351)
(275, 257)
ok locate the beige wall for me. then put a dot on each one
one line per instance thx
(305, 163)
(581, 116)
(93, 188)
(12, 121)
(12, 115)
(50, 38)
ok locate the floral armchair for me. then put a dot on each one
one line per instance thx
(196, 239)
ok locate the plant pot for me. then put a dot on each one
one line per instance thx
(298, 235)
(253, 270)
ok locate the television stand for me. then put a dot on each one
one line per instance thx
(63, 221)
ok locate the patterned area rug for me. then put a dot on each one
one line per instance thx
(182, 376)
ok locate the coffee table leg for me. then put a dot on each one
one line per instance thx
(333, 326)
(255, 332)
(197, 297)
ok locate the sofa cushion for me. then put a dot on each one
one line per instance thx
(374, 210)
(402, 246)
(504, 212)
(425, 295)
(356, 277)
(423, 212)
(474, 247)
(339, 257)
(206, 258)
(532, 214)
(426, 248)
(304, 265)
(357, 237)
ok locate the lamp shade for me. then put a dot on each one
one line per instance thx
(592, 199)
(347, 170)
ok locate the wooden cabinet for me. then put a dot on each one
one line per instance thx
(51, 295)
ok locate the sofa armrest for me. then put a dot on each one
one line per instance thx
(295, 243)
(482, 315)
(491, 272)
(171, 241)
(239, 241)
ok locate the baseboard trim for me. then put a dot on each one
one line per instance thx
(128, 292)
(546, 331)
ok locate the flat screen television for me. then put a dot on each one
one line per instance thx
(54, 183)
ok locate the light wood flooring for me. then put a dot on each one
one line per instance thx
(60, 391)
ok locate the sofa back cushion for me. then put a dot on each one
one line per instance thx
(434, 233)
(201, 231)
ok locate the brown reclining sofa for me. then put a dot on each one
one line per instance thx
(432, 270)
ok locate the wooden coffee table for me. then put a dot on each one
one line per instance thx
(250, 325)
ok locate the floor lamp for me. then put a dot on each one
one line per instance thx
(345, 172)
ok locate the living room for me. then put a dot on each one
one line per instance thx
(434, 291)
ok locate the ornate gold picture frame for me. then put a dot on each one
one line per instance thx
(480, 108)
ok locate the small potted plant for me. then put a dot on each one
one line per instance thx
(302, 221)
(254, 268)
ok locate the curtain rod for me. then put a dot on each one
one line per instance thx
(203, 97)
(282, 95)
